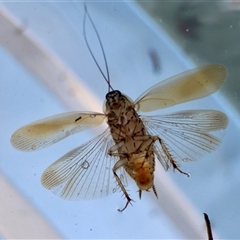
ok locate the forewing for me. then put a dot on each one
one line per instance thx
(187, 86)
(186, 134)
(48, 131)
(85, 172)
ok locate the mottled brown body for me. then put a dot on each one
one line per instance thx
(133, 146)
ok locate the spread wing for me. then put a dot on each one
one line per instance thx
(187, 86)
(85, 172)
(186, 134)
(48, 131)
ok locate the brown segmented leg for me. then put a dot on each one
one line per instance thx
(170, 158)
(119, 164)
(146, 140)
(154, 190)
(115, 148)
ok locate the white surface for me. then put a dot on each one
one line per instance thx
(127, 36)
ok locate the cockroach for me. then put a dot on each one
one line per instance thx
(132, 142)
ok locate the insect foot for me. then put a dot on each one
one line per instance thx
(129, 200)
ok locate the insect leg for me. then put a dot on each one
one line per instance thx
(175, 166)
(115, 148)
(155, 191)
(119, 164)
(147, 140)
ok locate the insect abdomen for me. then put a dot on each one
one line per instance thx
(141, 167)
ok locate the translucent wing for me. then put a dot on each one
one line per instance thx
(186, 134)
(187, 86)
(48, 131)
(85, 172)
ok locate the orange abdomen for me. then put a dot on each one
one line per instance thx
(141, 169)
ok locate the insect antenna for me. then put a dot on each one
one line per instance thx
(107, 78)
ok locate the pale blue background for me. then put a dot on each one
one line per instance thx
(127, 35)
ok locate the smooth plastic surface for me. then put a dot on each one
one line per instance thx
(129, 38)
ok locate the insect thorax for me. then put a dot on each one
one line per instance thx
(123, 120)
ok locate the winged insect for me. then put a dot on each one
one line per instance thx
(132, 142)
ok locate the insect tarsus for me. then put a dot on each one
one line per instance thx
(175, 166)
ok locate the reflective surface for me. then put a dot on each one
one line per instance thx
(129, 38)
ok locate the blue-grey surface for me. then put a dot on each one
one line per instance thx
(208, 31)
(213, 185)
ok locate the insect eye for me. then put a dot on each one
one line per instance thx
(117, 93)
(107, 95)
